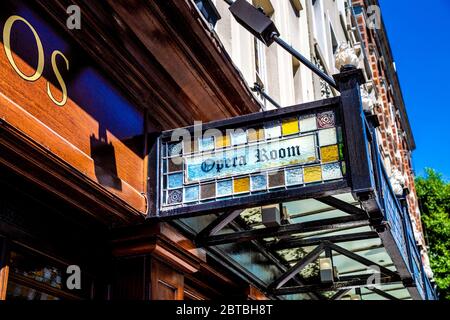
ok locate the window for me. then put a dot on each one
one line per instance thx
(334, 43)
(296, 6)
(357, 9)
(33, 276)
(208, 10)
(259, 47)
(297, 80)
(392, 111)
(260, 63)
(324, 87)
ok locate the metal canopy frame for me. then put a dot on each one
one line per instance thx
(208, 237)
(248, 235)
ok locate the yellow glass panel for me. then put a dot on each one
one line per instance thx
(255, 134)
(289, 126)
(312, 174)
(222, 141)
(329, 153)
(241, 185)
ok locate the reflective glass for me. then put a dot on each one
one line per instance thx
(259, 182)
(224, 188)
(239, 137)
(308, 123)
(272, 130)
(329, 153)
(206, 143)
(312, 174)
(289, 126)
(294, 176)
(327, 137)
(191, 193)
(241, 185)
(331, 171)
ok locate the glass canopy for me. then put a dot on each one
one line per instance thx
(267, 258)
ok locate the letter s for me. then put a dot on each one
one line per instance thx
(59, 78)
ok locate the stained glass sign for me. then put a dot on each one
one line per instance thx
(250, 158)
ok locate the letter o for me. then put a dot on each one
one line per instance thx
(208, 165)
(7, 44)
(273, 154)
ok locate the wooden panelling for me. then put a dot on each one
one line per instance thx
(166, 283)
(34, 129)
(167, 246)
(170, 62)
(97, 131)
(129, 279)
(20, 155)
(255, 294)
(192, 294)
(156, 240)
(4, 267)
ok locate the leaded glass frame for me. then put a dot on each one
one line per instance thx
(305, 175)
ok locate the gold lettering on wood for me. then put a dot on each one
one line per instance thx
(7, 44)
(60, 79)
(40, 66)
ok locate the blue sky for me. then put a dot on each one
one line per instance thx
(419, 34)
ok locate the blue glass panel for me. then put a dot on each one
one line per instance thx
(331, 171)
(175, 180)
(191, 193)
(175, 148)
(258, 182)
(294, 176)
(224, 188)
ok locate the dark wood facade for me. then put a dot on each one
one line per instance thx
(74, 177)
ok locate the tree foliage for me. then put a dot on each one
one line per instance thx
(434, 197)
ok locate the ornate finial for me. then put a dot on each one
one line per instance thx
(367, 100)
(345, 57)
(397, 181)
